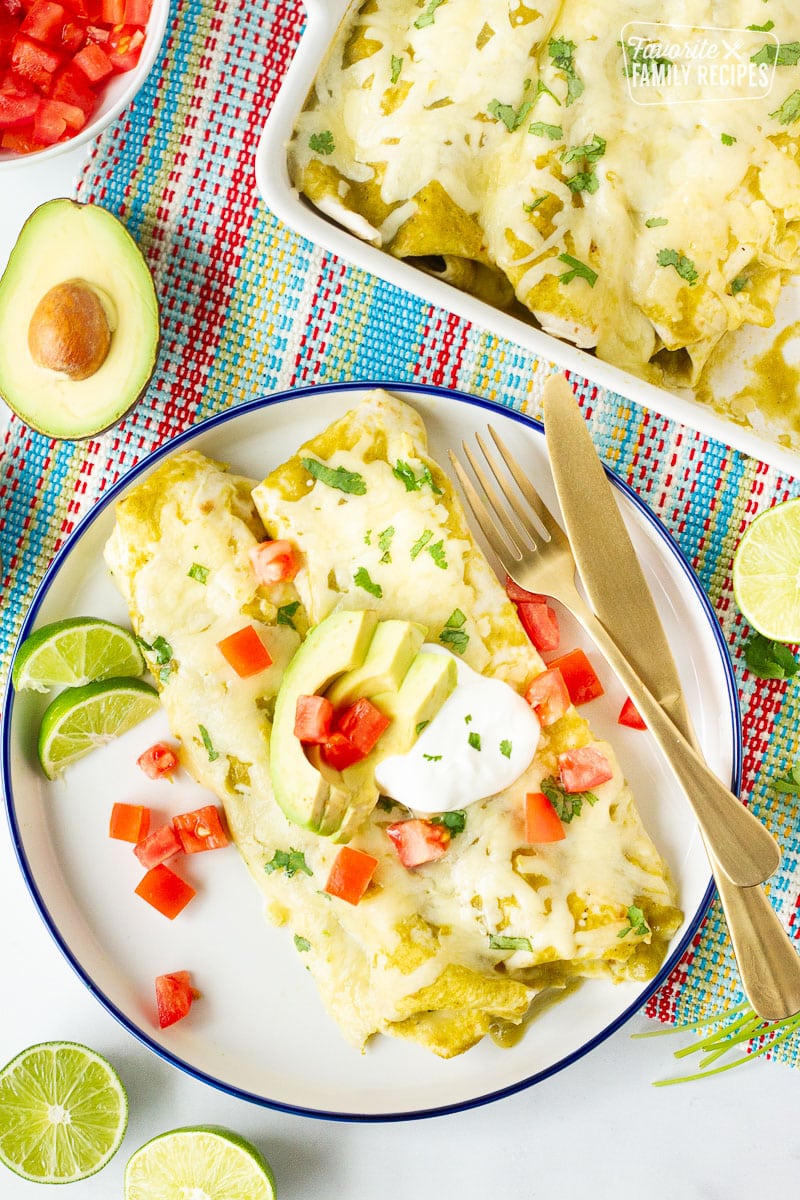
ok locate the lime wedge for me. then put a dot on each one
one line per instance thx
(78, 650)
(203, 1162)
(63, 1112)
(766, 572)
(81, 718)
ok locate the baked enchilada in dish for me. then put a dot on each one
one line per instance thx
(504, 146)
(467, 918)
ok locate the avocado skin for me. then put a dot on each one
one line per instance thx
(135, 382)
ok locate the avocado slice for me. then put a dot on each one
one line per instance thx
(79, 321)
(390, 654)
(337, 644)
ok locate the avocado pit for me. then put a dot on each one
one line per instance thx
(69, 330)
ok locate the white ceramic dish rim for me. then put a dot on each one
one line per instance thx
(681, 565)
(121, 90)
(272, 179)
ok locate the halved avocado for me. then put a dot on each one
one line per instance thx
(79, 321)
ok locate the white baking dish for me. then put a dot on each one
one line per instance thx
(776, 444)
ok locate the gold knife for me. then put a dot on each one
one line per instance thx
(618, 593)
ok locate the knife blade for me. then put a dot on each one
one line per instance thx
(618, 593)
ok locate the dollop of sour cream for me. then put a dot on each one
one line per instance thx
(480, 741)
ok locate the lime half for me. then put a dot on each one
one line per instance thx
(82, 718)
(78, 650)
(63, 1112)
(203, 1162)
(766, 573)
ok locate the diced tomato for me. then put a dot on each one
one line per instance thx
(245, 652)
(129, 822)
(548, 696)
(200, 829)
(94, 62)
(274, 562)
(165, 890)
(34, 62)
(71, 86)
(313, 719)
(339, 752)
(157, 761)
(18, 141)
(362, 724)
(158, 846)
(11, 8)
(17, 111)
(48, 124)
(174, 996)
(112, 11)
(72, 37)
(542, 823)
(124, 47)
(520, 596)
(583, 769)
(351, 874)
(44, 21)
(629, 715)
(579, 676)
(74, 117)
(97, 34)
(418, 841)
(540, 622)
(137, 12)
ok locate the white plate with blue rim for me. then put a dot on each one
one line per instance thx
(260, 1031)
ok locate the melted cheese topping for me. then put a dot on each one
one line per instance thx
(440, 952)
(467, 129)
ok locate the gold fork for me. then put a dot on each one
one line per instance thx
(535, 552)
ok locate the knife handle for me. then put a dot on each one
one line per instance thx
(743, 848)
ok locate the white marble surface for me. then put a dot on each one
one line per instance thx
(598, 1130)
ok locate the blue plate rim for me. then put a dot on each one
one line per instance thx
(101, 505)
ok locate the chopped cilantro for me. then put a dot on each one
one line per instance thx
(636, 923)
(453, 633)
(301, 943)
(361, 579)
(639, 56)
(414, 482)
(291, 861)
(197, 572)
(542, 89)
(505, 748)
(286, 612)
(511, 117)
(769, 659)
(322, 143)
(762, 28)
(528, 208)
(384, 542)
(683, 265)
(397, 66)
(562, 52)
(336, 477)
(737, 284)
(577, 268)
(421, 542)
(591, 152)
(162, 650)
(498, 941)
(468, 719)
(789, 782)
(542, 129)
(789, 111)
(566, 804)
(785, 55)
(584, 181)
(426, 18)
(728, 139)
(436, 552)
(432, 757)
(419, 728)
(654, 222)
(474, 740)
(213, 754)
(455, 822)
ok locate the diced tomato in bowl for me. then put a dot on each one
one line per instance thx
(68, 67)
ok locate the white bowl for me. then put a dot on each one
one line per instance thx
(118, 94)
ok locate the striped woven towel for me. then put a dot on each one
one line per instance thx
(249, 307)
